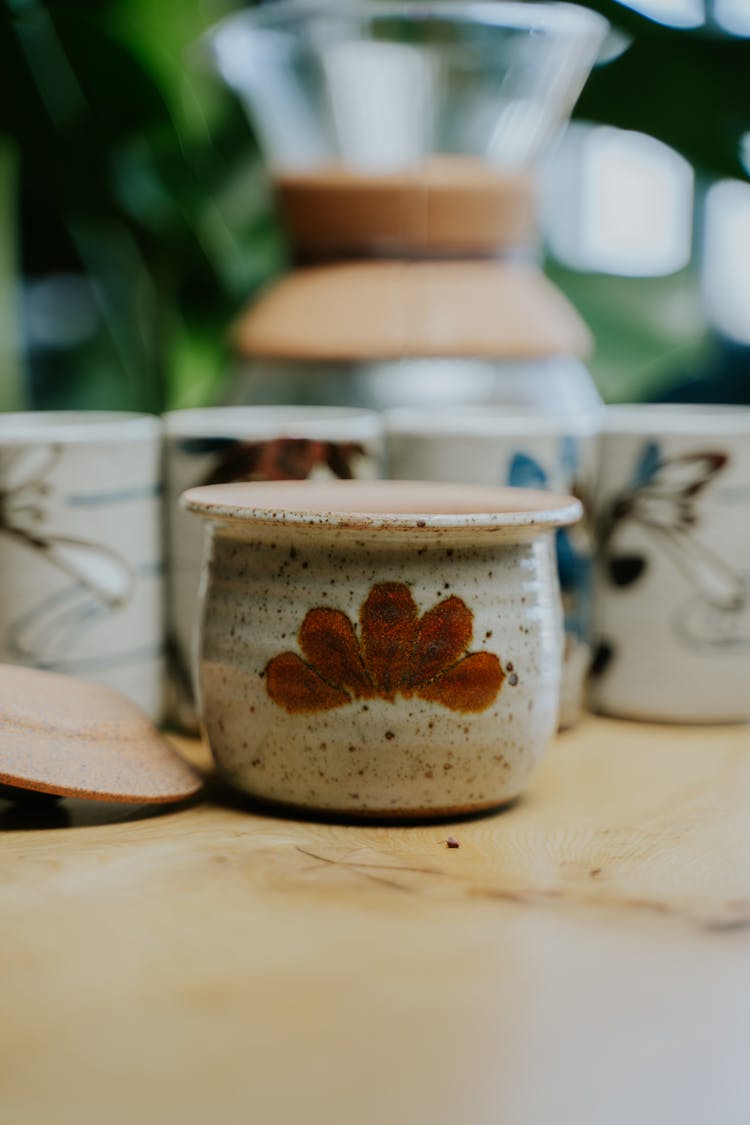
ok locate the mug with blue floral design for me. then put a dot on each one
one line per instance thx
(524, 447)
(672, 582)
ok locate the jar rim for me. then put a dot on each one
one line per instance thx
(407, 508)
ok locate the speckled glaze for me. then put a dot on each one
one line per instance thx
(380, 649)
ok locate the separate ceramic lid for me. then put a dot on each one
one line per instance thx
(64, 736)
(448, 205)
(388, 309)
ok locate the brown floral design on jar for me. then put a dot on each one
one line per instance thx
(397, 652)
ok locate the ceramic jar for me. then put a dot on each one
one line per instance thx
(380, 649)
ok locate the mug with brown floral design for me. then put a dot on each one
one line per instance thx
(216, 445)
(380, 649)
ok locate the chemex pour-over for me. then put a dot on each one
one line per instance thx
(402, 140)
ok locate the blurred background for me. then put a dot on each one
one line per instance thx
(136, 219)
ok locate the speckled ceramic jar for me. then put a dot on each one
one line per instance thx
(380, 648)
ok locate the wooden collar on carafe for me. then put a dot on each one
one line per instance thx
(451, 207)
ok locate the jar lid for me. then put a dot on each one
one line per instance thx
(70, 738)
(452, 205)
(388, 310)
(406, 509)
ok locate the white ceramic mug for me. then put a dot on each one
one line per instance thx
(672, 606)
(81, 548)
(218, 445)
(522, 447)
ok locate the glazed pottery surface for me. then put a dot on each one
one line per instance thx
(521, 447)
(223, 444)
(81, 548)
(380, 649)
(672, 604)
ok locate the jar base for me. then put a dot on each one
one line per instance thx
(381, 816)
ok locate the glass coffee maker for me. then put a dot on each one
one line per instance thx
(403, 142)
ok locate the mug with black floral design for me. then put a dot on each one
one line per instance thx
(672, 589)
(81, 576)
(380, 648)
(216, 445)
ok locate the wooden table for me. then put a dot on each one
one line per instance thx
(583, 958)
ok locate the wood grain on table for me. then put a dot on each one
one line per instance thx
(583, 957)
